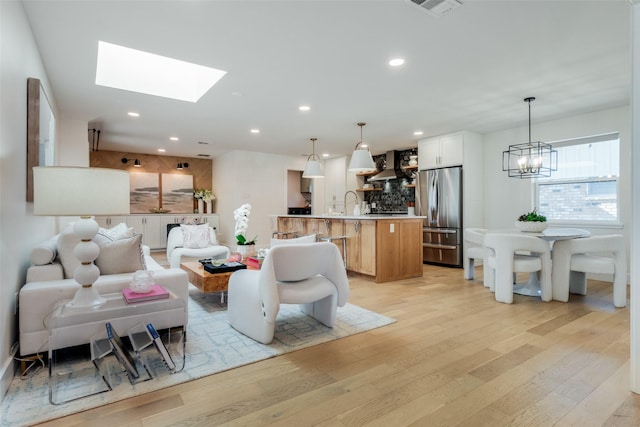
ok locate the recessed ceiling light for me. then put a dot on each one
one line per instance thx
(137, 71)
(418, 133)
(174, 138)
(161, 150)
(325, 154)
(255, 130)
(203, 143)
(396, 62)
(133, 114)
(304, 108)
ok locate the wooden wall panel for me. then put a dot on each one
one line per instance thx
(199, 168)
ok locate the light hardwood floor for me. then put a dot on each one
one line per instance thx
(455, 357)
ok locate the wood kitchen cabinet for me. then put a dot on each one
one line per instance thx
(361, 245)
(290, 226)
(399, 254)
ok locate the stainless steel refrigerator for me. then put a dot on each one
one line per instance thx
(439, 198)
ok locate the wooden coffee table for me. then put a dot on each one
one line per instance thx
(205, 281)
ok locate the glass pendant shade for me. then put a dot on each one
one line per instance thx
(361, 160)
(313, 169)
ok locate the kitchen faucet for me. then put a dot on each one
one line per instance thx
(345, 200)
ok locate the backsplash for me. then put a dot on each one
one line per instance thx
(394, 195)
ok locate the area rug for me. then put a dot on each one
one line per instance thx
(212, 346)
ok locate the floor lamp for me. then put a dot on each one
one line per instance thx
(83, 192)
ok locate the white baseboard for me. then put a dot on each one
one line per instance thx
(7, 373)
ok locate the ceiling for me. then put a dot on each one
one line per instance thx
(467, 70)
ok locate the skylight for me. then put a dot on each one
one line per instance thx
(137, 71)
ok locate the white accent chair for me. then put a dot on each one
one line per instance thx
(175, 249)
(504, 258)
(573, 258)
(311, 275)
(309, 238)
(473, 249)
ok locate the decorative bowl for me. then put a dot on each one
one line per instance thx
(531, 226)
(218, 262)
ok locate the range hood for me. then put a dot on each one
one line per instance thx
(392, 169)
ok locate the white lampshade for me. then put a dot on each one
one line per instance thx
(77, 191)
(361, 161)
(313, 170)
(73, 191)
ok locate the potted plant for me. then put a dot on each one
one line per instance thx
(241, 215)
(531, 222)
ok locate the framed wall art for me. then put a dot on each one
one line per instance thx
(41, 131)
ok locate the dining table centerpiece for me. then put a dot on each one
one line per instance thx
(532, 222)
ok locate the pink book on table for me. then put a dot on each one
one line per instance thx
(157, 292)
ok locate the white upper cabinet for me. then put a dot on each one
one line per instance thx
(441, 151)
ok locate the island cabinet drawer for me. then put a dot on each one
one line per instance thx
(444, 236)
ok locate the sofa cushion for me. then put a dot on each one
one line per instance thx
(120, 256)
(45, 252)
(195, 236)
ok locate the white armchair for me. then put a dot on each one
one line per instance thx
(573, 258)
(176, 247)
(311, 275)
(504, 257)
(473, 249)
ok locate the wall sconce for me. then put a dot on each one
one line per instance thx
(182, 165)
(136, 162)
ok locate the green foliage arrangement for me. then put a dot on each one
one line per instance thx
(532, 216)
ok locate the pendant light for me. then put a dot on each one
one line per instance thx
(361, 160)
(312, 168)
(532, 159)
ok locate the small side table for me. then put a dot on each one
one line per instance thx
(72, 377)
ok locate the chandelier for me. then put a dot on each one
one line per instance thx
(531, 159)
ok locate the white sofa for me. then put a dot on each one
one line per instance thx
(49, 282)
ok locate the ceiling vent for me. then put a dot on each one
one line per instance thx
(437, 7)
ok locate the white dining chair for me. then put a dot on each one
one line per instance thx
(573, 258)
(504, 256)
(473, 249)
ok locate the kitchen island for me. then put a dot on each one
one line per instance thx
(384, 247)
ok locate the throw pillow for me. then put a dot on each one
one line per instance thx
(195, 236)
(120, 256)
(120, 231)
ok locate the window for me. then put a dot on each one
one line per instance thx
(584, 189)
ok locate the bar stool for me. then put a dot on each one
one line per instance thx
(332, 239)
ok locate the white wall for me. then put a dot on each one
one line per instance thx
(506, 198)
(635, 242)
(258, 179)
(19, 229)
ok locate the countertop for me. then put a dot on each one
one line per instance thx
(369, 216)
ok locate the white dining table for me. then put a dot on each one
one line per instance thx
(532, 286)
